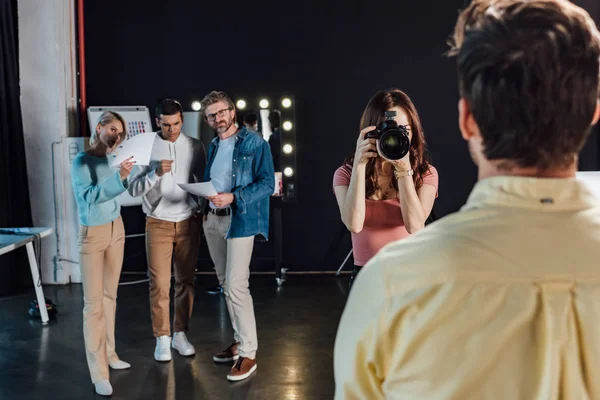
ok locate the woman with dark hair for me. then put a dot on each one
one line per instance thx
(383, 200)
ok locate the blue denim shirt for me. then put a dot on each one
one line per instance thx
(253, 182)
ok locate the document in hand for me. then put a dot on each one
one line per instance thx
(204, 189)
(139, 146)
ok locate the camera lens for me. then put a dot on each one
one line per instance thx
(391, 141)
(393, 144)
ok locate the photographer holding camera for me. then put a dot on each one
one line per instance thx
(386, 190)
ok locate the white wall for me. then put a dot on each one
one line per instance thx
(47, 60)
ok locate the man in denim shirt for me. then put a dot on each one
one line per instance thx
(240, 167)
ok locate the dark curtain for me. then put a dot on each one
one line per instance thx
(15, 208)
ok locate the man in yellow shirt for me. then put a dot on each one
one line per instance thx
(502, 299)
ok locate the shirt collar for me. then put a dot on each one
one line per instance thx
(179, 138)
(546, 194)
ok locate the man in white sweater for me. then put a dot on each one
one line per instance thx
(172, 225)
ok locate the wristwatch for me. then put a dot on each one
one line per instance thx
(399, 174)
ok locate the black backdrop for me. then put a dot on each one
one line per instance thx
(331, 55)
(15, 208)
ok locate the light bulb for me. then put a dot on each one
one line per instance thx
(241, 104)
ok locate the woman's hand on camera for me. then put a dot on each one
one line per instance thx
(403, 164)
(365, 148)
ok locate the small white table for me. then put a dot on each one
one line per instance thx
(25, 237)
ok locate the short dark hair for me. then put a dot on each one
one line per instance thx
(530, 73)
(169, 107)
(251, 118)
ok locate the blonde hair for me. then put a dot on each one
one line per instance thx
(105, 118)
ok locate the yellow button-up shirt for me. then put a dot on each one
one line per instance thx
(500, 300)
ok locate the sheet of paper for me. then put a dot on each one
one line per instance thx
(204, 189)
(139, 146)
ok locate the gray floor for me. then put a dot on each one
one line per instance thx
(296, 330)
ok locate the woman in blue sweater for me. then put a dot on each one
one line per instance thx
(101, 243)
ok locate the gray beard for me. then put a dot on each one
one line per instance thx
(225, 128)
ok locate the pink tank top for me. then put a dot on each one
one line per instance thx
(383, 219)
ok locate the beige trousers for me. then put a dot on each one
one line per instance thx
(232, 264)
(101, 258)
(177, 243)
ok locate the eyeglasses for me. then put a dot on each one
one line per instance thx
(220, 113)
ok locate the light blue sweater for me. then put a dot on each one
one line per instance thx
(96, 187)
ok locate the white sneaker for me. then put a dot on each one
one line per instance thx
(162, 352)
(119, 364)
(103, 388)
(182, 344)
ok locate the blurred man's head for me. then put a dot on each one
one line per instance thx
(251, 121)
(275, 119)
(529, 81)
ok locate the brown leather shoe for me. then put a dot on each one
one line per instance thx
(242, 369)
(229, 354)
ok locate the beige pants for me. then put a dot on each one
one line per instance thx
(101, 258)
(232, 264)
(168, 242)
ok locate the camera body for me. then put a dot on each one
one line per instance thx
(392, 139)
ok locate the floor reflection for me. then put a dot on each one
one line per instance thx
(296, 325)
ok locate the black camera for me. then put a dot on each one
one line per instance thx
(392, 139)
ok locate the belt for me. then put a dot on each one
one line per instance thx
(220, 212)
